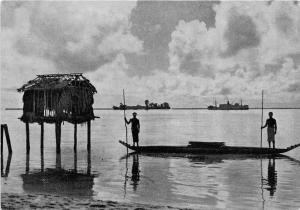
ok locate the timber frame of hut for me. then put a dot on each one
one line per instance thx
(55, 98)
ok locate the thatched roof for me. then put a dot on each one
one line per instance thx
(58, 81)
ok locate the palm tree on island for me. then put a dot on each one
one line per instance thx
(147, 103)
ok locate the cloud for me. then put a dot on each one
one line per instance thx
(74, 36)
(294, 88)
(191, 47)
(196, 52)
(225, 91)
(51, 37)
(241, 33)
(154, 21)
(253, 46)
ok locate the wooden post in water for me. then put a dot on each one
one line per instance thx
(27, 163)
(42, 137)
(7, 165)
(27, 138)
(75, 161)
(58, 161)
(1, 143)
(4, 129)
(89, 162)
(7, 138)
(75, 137)
(89, 136)
(58, 135)
(42, 147)
(1, 150)
(42, 161)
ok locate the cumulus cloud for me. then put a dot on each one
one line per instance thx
(241, 33)
(74, 36)
(52, 37)
(154, 21)
(196, 52)
(253, 46)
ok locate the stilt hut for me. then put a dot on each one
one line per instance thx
(55, 98)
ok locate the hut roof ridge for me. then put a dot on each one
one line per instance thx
(57, 81)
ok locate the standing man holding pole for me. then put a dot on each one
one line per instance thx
(135, 128)
(272, 129)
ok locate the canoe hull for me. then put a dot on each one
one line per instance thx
(220, 150)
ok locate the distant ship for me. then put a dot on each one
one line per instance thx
(228, 106)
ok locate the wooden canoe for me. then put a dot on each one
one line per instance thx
(209, 150)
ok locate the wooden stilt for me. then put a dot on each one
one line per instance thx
(27, 162)
(58, 161)
(42, 136)
(75, 161)
(7, 138)
(89, 162)
(1, 164)
(58, 136)
(89, 136)
(7, 165)
(75, 137)
(42, 161)
(42, 147)
(2, 130)
(27, 138)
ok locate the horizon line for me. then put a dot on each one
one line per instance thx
(105, 108)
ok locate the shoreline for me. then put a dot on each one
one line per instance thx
(50, 201)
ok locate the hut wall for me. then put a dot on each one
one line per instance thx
(28, 101)
(71, 103)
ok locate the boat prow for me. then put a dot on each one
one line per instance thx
(209, 150)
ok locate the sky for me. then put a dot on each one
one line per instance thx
(186, 53)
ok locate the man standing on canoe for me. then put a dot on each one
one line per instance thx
(135, 128)
(272, 129)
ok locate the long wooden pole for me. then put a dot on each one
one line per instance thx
(125, 115)
(262, 115)
(261, 167)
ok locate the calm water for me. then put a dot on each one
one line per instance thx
(214, 182)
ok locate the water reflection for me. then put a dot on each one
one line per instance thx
(135, 172)
(271, 181)
(5, 174)
(58, 180)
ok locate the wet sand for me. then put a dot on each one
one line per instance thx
(42, 201)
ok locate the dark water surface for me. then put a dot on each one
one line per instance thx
(216, 182)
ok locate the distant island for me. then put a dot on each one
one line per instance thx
(228, 106)
(147, 106)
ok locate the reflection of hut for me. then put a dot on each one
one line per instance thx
(58, 180)
(54, 98)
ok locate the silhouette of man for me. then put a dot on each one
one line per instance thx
(272, 176)
(135, 178)
(272, 129)
(135, 128)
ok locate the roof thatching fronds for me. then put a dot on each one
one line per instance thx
(57, 81)
(58, 97)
